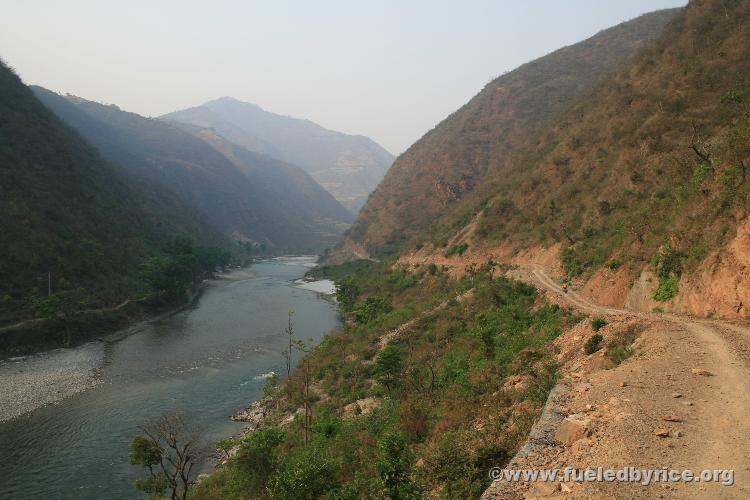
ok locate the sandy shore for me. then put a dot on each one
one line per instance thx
(30, 382)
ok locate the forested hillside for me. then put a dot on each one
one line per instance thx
(75, 231)
(453, 158)
(249, 197)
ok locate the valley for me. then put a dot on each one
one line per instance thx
(207, 299)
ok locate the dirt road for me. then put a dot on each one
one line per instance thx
(688, 380)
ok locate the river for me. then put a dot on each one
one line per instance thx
(205, 363)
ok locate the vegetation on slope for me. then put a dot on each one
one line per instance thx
(452, 159)
(401, 415)
(649, 168)
(75, 233)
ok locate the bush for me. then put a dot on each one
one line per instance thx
(457, 250)
(667, 288)
(614, 264)
(347, 293)
(593, 344)
(371, 309)
(388, 365)
(306, 475)
(395, 465)
(597, 322)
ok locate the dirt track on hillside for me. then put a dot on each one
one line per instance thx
(626, 405)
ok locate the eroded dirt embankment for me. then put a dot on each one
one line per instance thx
(680, 401)
(718, 288)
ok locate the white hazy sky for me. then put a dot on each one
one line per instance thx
(390, 70)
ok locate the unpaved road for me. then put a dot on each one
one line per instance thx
(627, 404)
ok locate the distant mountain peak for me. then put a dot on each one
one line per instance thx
(347, 166)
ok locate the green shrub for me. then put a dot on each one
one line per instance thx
(614, 264)
(388, 365)
(347, 293)
(619, 348)
(597, 322)
(593, 344)
(395, 464)
(667, 288)
(457, 250)
(371, 309)
(308, 474)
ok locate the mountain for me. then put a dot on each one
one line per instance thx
(454, 157)
(250, 197)
(348, 166)
(69, 218)
(640, 190)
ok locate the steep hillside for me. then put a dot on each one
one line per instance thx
(453, 158)
(69, 221)
(348, 166)
(250, 197)
(643, 183)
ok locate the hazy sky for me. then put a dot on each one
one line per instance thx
(387, 69)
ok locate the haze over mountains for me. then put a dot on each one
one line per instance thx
(348, 166)
(251, 197)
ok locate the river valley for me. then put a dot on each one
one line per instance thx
(205, 363)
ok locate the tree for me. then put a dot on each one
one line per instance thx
(388, 365)
(169, 453)
(347, 293)
(61, 307)
(395, 465)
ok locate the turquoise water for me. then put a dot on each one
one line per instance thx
(205, 363)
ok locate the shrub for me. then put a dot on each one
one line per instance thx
(388, 365)
(614, 264)
(395, 465)
(347, 293)
(371, 309)
(667, 288)
(457, 250)
(597, 322)
(306, 475)
(593, 344)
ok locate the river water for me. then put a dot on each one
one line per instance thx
(205, 363)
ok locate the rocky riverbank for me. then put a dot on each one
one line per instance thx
(31, 382)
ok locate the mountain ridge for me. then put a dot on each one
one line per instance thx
(452, 159)
(232, 199)
(348, 166)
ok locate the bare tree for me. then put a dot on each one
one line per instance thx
(169, 452)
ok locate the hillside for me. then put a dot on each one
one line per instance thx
(348, 166)
(640, 190)
(454, 157)
(250, 197)
(494, 340)
(69, 219)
